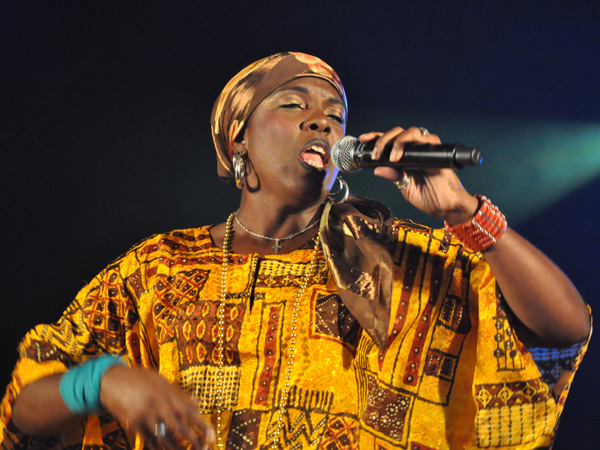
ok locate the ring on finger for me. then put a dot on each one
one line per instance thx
(404, 182)
(424, 131)
(160, 430)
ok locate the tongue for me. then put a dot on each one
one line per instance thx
(313, 157)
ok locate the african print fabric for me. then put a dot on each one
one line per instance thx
(452, 375)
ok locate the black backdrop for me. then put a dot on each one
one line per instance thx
(105, 111)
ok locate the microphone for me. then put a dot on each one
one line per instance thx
(350, 155)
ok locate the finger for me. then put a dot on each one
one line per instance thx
(188, 433)
(150, 439)
(191, 425)
(165, 431)
(366, 137)
(169, 442)
(413, 134)
(422, 134)
(205, 430)
(389, 173)
(384, 140)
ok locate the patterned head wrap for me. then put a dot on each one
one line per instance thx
(249, 88)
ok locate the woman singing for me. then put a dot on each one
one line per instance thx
(304, 321)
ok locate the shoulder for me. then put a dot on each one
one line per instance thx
(188, 239)
(158, 246)
(181, 239)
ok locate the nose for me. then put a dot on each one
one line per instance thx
(318, 121)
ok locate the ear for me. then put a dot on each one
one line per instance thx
(240, 147)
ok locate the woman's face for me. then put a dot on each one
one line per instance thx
(289, 138)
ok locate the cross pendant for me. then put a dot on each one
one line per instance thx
(276, 247)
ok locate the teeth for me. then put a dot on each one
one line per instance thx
(318, 149)
(314, 164)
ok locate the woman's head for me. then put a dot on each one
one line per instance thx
(250, 87)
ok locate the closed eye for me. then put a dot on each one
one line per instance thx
(338, 119)
(291, 105)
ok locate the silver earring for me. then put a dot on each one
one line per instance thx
(343, 189)
(239, 170)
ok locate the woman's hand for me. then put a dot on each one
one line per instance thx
(550, 310)
(142, 401)
(437, 192)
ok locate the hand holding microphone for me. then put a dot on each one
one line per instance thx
(435, 192)
(350, 155)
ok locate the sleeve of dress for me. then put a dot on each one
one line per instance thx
(512, 381)
(103, 318)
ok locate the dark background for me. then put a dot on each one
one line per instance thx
(105, 135)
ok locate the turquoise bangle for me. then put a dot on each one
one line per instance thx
(80, 385)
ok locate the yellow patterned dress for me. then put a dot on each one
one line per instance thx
(453, 374)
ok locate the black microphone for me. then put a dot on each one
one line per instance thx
(350, 155)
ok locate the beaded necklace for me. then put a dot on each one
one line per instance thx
(221, 335)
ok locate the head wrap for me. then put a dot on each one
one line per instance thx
(249, 88)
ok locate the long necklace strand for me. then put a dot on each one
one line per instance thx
(221, 331)
(290, 359)
(277, 245)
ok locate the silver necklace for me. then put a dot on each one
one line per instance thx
(277, 245)
(221, 337)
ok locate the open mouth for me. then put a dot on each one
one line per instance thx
(316, 154)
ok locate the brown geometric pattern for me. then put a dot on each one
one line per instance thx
(442, 356)
(507, 356)
(172, 294)
(340, 433)
(426, 321)
(411, 264)
(334, 321)
(440, 365)
(513, 413)
(304, 421)
(109, 312)
(270, 356)
(386, 411)
(196, 326)
(509, 394)
(454, 315)
(243, 431)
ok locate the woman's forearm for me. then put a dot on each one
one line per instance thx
(40, 410)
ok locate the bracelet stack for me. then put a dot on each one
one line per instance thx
(80, 385)
(483, 230)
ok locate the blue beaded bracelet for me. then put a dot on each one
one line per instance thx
(80, 385)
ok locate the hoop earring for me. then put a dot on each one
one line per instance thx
(343, 188)
(239, 170)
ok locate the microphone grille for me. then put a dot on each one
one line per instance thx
(342, 154)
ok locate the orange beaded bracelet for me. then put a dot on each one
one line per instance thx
(483, 230)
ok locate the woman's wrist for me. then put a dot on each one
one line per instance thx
(483, 229)
(80, 385)
(464, 212)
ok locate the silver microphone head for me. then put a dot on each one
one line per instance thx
(342, 154)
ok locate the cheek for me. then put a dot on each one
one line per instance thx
(266, 135)
(275, 127)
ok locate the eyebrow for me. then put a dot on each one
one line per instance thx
(302, 89)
